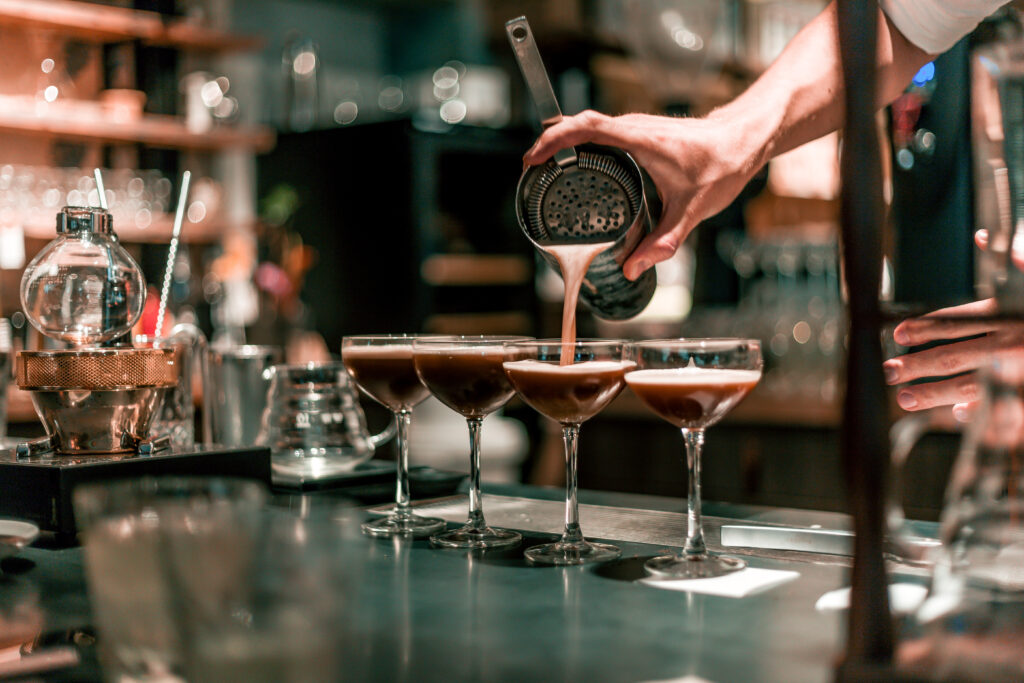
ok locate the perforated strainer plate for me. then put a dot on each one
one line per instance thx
(597, 197)
(97, 369)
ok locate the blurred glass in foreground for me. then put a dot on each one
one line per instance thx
(199, 579)
(127, 531)
(971, 626)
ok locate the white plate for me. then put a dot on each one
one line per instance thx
(15, 535)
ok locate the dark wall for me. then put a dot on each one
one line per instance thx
(932, 209)
(354, 209)
(788, 466)
(377, 199)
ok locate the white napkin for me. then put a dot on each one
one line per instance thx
(738, 584)
(904, 598)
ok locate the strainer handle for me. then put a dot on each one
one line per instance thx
(537, 82)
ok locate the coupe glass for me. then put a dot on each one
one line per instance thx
(569, 390)
(466, 374)
(693, 383)
(382, 366)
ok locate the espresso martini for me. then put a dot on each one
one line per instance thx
(692, 397)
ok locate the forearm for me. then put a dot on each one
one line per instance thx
(800, 96)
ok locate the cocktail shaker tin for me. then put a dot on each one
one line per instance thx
(585, 195)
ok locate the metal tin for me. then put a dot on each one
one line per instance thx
(238, 388)
(587, 194)
(605, 288)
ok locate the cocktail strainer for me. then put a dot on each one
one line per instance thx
(582, 196)
(588, 201)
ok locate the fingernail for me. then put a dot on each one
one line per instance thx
(906, 400)
(892, 371)
(960, 413)
(901, 337)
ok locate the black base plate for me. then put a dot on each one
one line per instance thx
(38, 489)
(374, 482)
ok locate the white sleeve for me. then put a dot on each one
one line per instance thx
(936, 25)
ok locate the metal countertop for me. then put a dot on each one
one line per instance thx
(417, 613)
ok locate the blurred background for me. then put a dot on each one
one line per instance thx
(356, 164)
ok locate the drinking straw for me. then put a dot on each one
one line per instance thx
(99, 188)
(172, 252)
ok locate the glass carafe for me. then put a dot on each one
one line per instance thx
(314, 424)
(83, 287)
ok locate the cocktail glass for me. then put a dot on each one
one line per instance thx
(693, 383)
(467, 375)
(569, 390)
(382, 366)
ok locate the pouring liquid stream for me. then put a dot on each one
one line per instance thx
(573, 260)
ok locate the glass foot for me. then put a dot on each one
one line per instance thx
(697, 567)
(470, 537)
(562, 553)
(412, 526)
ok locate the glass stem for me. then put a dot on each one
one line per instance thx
(402, 497)
(476, 510)
(571, 437)
(694, 548)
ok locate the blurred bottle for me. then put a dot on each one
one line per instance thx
(6, 355)
(300, 60)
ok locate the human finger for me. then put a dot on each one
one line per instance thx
(660, 245)
(956, 390)
(941, 361)
(981, 240)
(943, 324)
(587, 126)
(963, 412)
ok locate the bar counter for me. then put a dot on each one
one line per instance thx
(416, 613)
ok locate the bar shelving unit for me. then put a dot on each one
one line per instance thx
(107, 23)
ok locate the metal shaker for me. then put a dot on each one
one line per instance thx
(589, 194)
(237, 389)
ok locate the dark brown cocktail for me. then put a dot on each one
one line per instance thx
(468, 379)
(466, 374)
(569, 383)
(693, 383)
(568, 393)
(387, 374)
(692, 398)
(382, 366)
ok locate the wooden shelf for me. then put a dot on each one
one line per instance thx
(476, 270)
(151, 129)
(103, 23)
(158, 232)
(189, 36)
(496, 322)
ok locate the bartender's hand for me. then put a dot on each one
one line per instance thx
(1017, 252)
(958, 362)
(698, 166)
